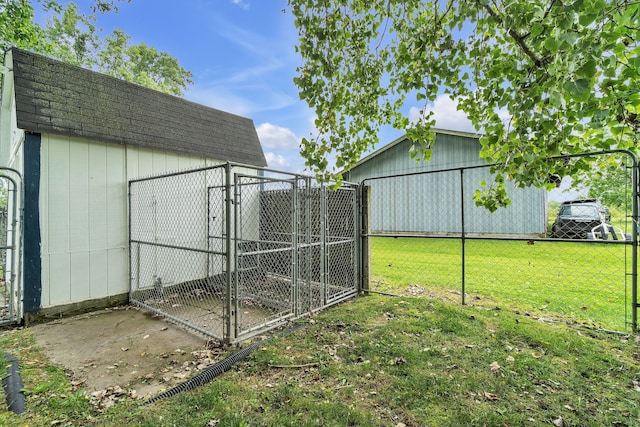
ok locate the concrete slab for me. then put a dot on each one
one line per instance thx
(125, 347)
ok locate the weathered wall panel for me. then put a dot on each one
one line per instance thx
(99, 270)
(10, 135)
(96, 203)
(79, 193)
(431, 202)
(84, 214)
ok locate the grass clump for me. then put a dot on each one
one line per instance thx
(49, 391)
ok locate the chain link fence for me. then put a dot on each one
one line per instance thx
(10, 251)
(231, 251)
(566, 254)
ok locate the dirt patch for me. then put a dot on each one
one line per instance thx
(124, 348)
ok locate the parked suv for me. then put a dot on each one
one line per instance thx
(576, 218)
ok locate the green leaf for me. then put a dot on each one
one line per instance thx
(578, 88)
(552, 44)
(537, 29)
(587, 70)
(560, 72)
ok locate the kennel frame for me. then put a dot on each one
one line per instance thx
(315, 264)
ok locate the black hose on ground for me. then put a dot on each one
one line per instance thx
(217, 369)
(12, 384)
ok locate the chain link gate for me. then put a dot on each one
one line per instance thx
(230, 252)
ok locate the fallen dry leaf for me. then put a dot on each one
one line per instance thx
(76, 384)
(398, 361)
(510, 359)
(490, 396)
(536, 355)
(495, 367)
(558, 422)
(103, 399)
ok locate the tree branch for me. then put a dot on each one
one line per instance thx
(386, 23)
(306, 365)
(517, 37)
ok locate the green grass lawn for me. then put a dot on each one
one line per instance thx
(583, 282)
(380, 361)
(500, 360)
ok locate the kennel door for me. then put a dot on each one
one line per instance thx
(265, 256)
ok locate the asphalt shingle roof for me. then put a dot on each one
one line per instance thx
(59, 98)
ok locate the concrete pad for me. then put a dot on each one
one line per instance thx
(125, 347)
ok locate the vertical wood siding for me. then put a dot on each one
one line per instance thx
(84, 214)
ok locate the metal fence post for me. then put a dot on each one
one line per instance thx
(463, 236)
(308, 248)
(15, 279)
(129, 240)
(295, 247)
(9, 252)
(356, 232)
(228, 231)
(238, 249)
(364, 200)
(634, 248)
(323, 243)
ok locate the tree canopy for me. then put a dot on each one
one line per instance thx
(612, 185)
(536, 79)
(75, 38)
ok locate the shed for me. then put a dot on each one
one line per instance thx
(426, 196)
(78, 137)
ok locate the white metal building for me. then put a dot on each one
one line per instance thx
(78, 137)
(428, 198)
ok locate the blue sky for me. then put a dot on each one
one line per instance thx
(243, 60)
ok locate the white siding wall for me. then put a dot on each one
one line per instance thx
(84, 217)
(11, 142)
(11, 137)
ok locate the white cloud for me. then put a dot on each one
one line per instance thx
(277, 138)
(243, 101)
(248, 39)
(242, 4)
(251, 74)
(252, 80)
(277, 161)
(504, 115)
(446, 114)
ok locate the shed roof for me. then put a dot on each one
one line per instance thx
(59, 98)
